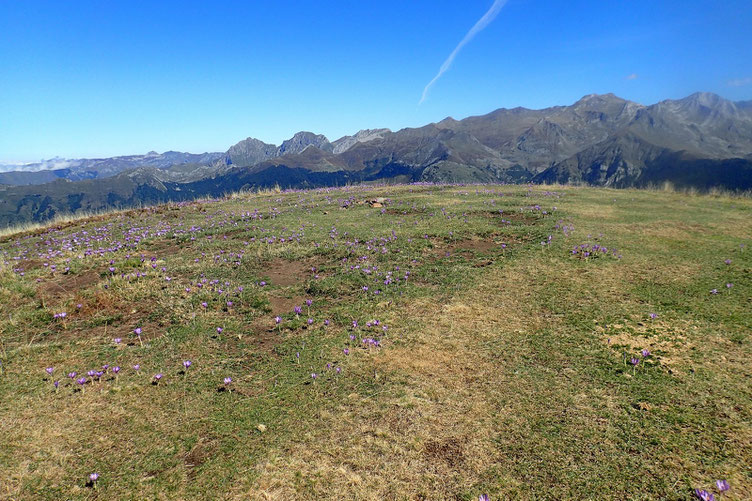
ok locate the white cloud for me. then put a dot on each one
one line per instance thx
(739, 82)
(479, 26)
(633, 76)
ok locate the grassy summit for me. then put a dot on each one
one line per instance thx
(453, 342)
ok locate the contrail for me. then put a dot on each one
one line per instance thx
(479, 26)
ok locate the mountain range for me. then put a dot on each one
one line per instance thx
(701, 141)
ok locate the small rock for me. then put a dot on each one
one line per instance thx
(261, 428)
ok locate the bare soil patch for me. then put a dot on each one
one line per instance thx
(265, 335)
(444, 452)
(281, 305)
(69, 284)
(284, 273)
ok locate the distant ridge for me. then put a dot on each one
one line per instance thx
(700, 141)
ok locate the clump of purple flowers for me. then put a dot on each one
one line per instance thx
(704, 495)
(589, 251)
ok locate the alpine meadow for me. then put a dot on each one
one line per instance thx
(479, 251)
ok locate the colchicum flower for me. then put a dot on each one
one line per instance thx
(722, 485)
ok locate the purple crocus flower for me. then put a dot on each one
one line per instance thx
(72, 375)
(729, 285)
(298, 310)
(158, 377)
(50, 370)
(310, 321)
(314, 376)
(56, 383)
(704, 495)
(137, 367)
(227, 380)
(137, 331)
(116, 369)
(277, 320)
(187, 364)
(308, 302)
(117, 340)
(93, 477)
(722, 485)
(645, 353)
(653, 316)
(483, 497)
(219, 330)
(714, 291)
(81, 381)
(634, 361)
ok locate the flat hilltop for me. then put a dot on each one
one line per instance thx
(382, 342)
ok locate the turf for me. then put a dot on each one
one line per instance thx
(460, 340)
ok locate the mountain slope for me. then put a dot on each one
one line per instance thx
(701, 141)
(92, 168)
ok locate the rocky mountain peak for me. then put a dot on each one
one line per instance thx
(364, 135)
(301, 140)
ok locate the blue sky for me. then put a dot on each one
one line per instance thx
(88, 79)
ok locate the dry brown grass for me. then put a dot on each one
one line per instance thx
(433, 441)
